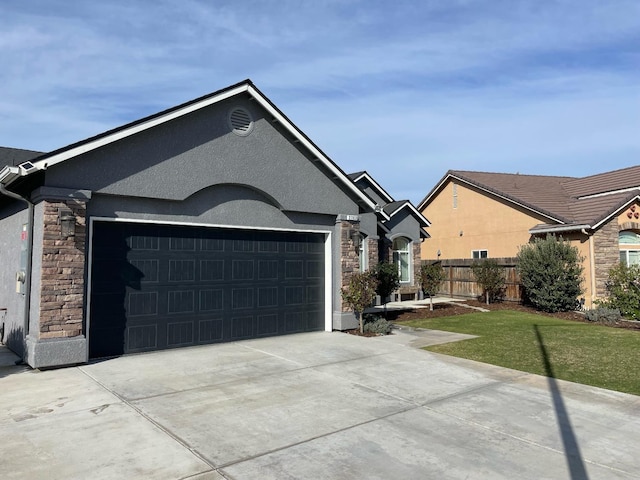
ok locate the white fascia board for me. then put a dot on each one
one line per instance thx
(423, 220)
(376, 185)
(309, 146)
(100, 142)
(424, 202)
(8, 174)
(612, 192)
(617, 211)
(561, 228)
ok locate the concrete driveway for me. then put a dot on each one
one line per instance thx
(311, 406)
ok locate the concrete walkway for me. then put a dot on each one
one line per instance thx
(311, 406)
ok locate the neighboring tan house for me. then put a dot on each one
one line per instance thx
(392, 234)
(490, 215)
(212, 221)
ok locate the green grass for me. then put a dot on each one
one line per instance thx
(579, 352)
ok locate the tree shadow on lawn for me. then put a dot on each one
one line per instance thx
(571, 448)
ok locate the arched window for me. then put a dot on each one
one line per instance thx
(629, 242)
(402, 258)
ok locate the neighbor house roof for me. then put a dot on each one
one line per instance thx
(16, 156)
(567, 203)
(10, 172)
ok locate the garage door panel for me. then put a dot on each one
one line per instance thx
(156, 287)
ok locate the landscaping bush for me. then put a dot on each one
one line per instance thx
(359, 293)
(551, 274)
(431, 277)
(490, 277)
(376, 324)
(388, 279)
(623, 289)
(603, 315)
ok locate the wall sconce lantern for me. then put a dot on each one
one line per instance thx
(67, 223)
(355, 238)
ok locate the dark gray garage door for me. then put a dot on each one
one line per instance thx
(155, 287)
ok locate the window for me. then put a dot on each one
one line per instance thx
(362, 253)
(630, 257)
(402, 258)
(477, 254)
(630, 254)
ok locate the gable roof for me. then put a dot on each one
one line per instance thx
(393, 206)
(10, 173)
(567, 203)
(364, 175)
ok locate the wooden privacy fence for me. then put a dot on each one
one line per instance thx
(460, 281)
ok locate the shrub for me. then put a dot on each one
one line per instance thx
(490, 277)
(376, 324)
(623, 289)
(431, 277)
(603, 315)
(388, 279)
(551, 274)
(359, 293)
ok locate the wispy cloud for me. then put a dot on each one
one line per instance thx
(405, 89)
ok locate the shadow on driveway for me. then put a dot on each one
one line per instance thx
(569, 440)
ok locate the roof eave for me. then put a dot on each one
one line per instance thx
(561, 228)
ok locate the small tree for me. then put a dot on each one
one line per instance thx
(551, 274)
(388, 279)
(623, 288)
(359, 294)
(490, 277)
(431, 277)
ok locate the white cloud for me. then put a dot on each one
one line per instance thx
(422, 86)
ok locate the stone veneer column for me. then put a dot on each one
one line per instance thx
(57, 336)
(372, 250)
(606, 254)
(349, 260)
(417, 262)
(63, 261)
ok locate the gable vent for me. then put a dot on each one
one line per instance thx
(240, 121)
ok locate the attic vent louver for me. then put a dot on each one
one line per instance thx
(240, 121)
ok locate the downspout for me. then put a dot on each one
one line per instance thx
(27, 280)
(591, 265)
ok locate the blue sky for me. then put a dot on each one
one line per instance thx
(403, 89)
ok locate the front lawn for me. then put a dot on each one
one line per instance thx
(579, 352)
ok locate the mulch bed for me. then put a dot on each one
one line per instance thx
(447, 309)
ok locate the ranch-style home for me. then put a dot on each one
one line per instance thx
(212, 221)
(490, 215)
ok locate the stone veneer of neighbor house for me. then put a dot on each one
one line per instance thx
(60, 328)
(606, 254)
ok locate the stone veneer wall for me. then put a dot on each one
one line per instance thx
(606, 254)
(372, 250)
(417, 262)
(348, 254)
(63, 262)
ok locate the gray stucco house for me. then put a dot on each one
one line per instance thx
(212, 221)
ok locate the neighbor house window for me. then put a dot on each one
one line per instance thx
(402, 258)
(630, 253)
(477, 254)
(362, 253)
(630, 257)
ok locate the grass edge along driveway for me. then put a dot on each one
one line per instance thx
(578, 352)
